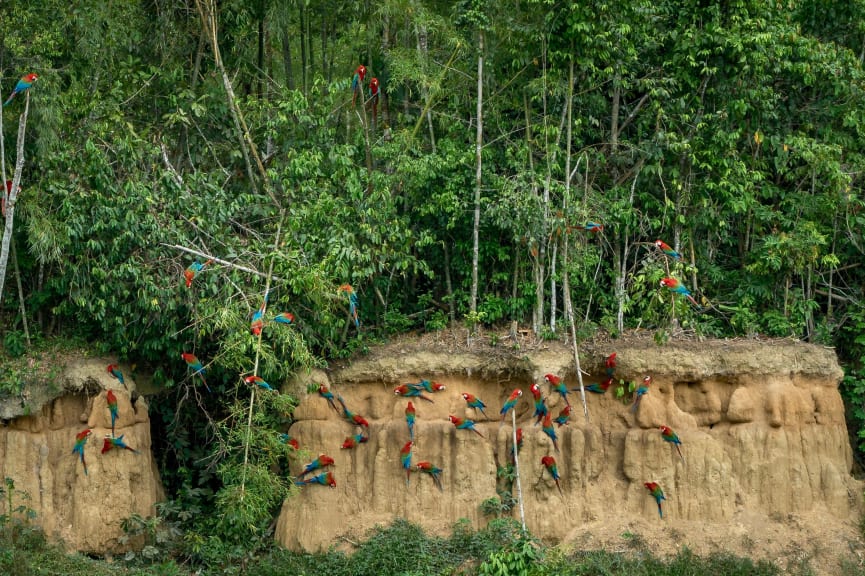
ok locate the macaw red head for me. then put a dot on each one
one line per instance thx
(611, 360)
(84, 434)
(552, 379)
(466, 397)
(548, 461)
(669, 282)
(650, 485)
(331, 481)
(31, 78)
(399, 390)
(453, 419)
(647, 380)
(536, 390)
(438, 387)
(325, 460)
(665, 429)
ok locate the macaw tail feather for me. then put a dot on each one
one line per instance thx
(679, 450)
(478, 433)
(559, 486)
(660, 510)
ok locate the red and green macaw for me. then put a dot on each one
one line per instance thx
(655, 490)
(80, 441)
(405, 458)
(563, 417)
(373, 96)
(678, 288)
(667, 250)
(197, 368)
(351, 417)
(548, 429)
(325, 479)
(22, 86)
(410, 416)
(353, 441)
(550, 464)
(434, 471)
(641, 391)
(541, 409)
(283, 318)
(510, 403)
(465, 424)
(327, 395)
(557, 385)
(112, 407)
(323, 461)
(352, 300)
(519, 444)
(112, 442)
(357, 83)
(408, 391)
(116, 373)
(594, 227)
(600, 388)
(428, 386)
(473, 401)
(259, 381)
(6, 193)
(193, 270)
(286, 439)
(257, 322)
(610, 364)
(669, 436)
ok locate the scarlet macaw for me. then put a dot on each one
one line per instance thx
(610, 364)
(322, 461)
(428, 386)
(510, 402)
(350, 416)
(655, 490)
(327, 395)
(283, 318)
(669, 436)
(600, 388)
(197, 368)
(22, 86)
(678, 288)
(286, 439)
(405, 458)
(115, 372)
(465, 424)
(6, 193)
(641, 391)
(407, 391)
(325, 479)
(473, 401)
(357, 83)
(563, 417)
(548, 429)
(80, 441)
(541, 409)
(594, 227)
(434, 471)
(353, 441)
(257, 322)
(410, 416)
(112, 407)
(373, 96)
(667, 250)
(259, 381)
(550, 464)
(557, 385)
(193, 270)
(352, 303)
(519, 445)
(111, 442)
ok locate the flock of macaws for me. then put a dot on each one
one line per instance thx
(357, 89)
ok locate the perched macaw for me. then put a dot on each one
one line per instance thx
(257, 322)
(510, 402)
(678, 288)
(407, 391)
(327, 395)
(80, 441)
(197, 368)
(286, 439)
(405, 458)
(548, 429)
(111, 442)
(434, 471)
(668, 435)
(193, 270)
(353, 441)
(667, 250)
(323, 461)
(428, 386)
(550, 464)
(563, 417)
(655, 490)
(594, 227)
(519, 443)
(641, 391)
(541, 409)
(115, 371)
(473, 401)
(352, 303)
(112, 407)
(357, 83)
(325, 479)
(373, 96)
(410, 416)
(22, 86)
(465, 424)
(259, 381)
(283, 318)
(610, 364)
(600, 388)
(351, 417)
(6, 193)
(557, 385)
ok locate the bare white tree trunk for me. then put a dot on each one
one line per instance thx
(13, 193)
(473, 302)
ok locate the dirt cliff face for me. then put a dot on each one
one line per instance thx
(85, 511)
(767, 460)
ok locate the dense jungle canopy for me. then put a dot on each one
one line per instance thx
(161, 133)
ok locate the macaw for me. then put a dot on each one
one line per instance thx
(407, 391)
(519, 443)
(548, 429)
(257, 322)
(510, 403)
(22, 86)
(286, 439)
(667, 250)
(655, 490)
(594, 227)
(433, 471)
(327, 395)
(112, 442)
(473, 401)
(610, 364)
(410, 416)
(325, 479)
(678, 288)
(556, 385)
(563, 417)
(115, 371)
(600, 388)
(353, 441)
(319, 463)
(541, 409)
(357, 82)
(193, 270)
(80, 441)
(669, 436)
(352, 300)
(193, 362)
(112, 407)
(259, 381)
(6, 193)
(283, 318)
(405, 458)
(351, 417)
(428, 386)
(373, 96)
(641, 391)
(550, 464)
(465, 424)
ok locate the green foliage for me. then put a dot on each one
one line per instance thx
(518, 559)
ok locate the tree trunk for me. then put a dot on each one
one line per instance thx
(13, 193)
(304, 58)
(479, 140)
